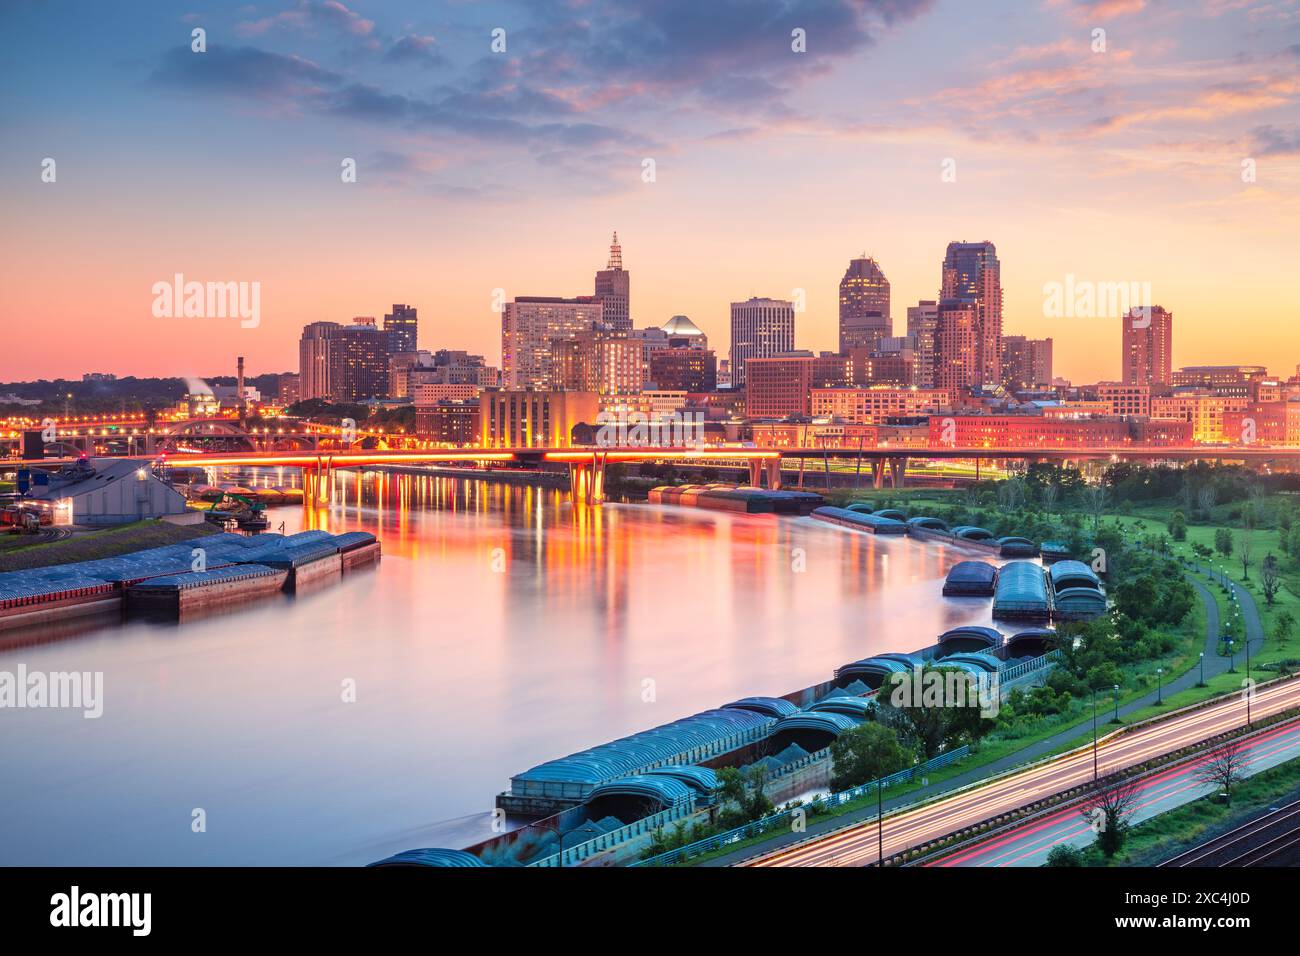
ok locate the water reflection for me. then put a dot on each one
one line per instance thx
(505, 626)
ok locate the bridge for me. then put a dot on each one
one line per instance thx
(587, 465)
(135, 436)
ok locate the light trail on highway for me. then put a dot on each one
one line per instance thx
(857, 845)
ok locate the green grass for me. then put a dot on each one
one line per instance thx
(108, 543)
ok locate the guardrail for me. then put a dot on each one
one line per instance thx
(775, 820)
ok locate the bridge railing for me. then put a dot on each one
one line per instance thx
(782, 818)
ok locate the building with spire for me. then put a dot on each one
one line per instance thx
(613, 290)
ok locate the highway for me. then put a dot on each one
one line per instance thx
(1029, 844)
(856, 845)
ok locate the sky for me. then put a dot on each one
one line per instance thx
(1150, 143)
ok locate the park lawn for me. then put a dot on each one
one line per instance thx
(1286, 600)
(1164, 836)
(108, 543)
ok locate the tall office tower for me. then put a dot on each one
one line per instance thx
(530, 324)
(358, 361)
(972, 274)
(600, 361)
(956, 337)
(1026, 361)
(400, 324)
(922, 323)
(760, 328)
(613, 289)
(864, 305)
(313, 359)
(1148, 346)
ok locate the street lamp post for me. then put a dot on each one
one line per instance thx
(1160, 686)
(1248, 687)
(1117, 703)
(1094, 733)
(880, 822)
(1202, 683)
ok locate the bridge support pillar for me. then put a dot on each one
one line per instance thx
(587, 479)
(774, 474)
(877, 473)
(316, 482)
(898, 472)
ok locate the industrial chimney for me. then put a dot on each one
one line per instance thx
(239, 388)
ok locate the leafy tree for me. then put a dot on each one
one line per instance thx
(1283, 627)
(867, 752)
(1064, 855)
(930, 726)
(1178, 526)
(741, 795)
(1223, 541)
(1138, 598)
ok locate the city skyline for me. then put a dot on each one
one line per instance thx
(1127, 167)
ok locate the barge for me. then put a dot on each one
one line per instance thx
(178, 578)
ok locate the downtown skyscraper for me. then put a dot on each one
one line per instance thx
(530, 327)
(760, 328)
(614, 289)
(401, 325)
(864, 305)
(1148, 346)
(969, 340)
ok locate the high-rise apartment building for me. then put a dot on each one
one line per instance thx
(529, 327)
(972, 278)
(956, 352)
(760, 328)
(1026, 361)
(601, 361)
(614, 289)
(922, 325)
(864, 305)
(401, 326)
(313, 360)
(1148, 346)
(358, 361)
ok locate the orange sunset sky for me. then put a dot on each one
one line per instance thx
(479, 170)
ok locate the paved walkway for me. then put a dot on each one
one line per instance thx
(1214, 665)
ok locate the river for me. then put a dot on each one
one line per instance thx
(503, 627)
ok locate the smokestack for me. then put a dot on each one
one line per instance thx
(239, 387)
